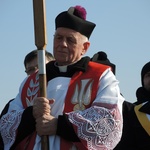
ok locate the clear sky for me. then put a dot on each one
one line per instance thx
(122, 31)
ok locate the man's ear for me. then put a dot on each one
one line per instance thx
(86, 45)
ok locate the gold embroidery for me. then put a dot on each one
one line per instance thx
(82, 94)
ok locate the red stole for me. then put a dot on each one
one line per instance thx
(92, 75)
(29, 91)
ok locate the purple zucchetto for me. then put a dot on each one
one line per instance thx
(75, 19)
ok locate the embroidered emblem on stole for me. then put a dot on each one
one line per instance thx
(83, 88)
(30, 90)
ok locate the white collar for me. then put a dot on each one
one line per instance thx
(63, 68)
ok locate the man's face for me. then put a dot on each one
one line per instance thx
(69, 46)
(32, 66)
(146, 81)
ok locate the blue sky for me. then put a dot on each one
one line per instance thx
(122, 31)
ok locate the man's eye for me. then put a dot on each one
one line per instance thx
(58, 37)
(70, 40)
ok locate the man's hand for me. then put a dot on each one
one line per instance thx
(46, 124)
(41, 107)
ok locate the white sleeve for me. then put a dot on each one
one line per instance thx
(11, 120)
(100, 126)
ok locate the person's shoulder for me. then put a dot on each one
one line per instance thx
(4, 111)
(98, 65)
(50, 64)
(128, 105)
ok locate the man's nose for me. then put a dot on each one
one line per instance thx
(64, 42)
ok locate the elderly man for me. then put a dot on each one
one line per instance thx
(83, 108)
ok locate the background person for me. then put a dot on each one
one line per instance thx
(143, 92)
(101, 57)
(31, 61)
(31, 66)
(136, 127)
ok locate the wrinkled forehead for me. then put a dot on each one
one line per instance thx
(67, 32)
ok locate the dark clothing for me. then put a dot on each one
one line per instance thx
(135, 135)
(142, 95)
(4, 111)
(126, 142)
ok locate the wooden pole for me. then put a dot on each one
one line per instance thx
(41, 42)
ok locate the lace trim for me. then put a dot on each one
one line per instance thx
(98, 127)
(9, 124)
